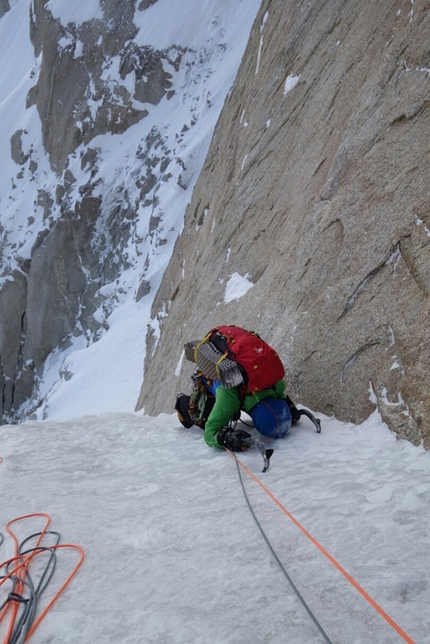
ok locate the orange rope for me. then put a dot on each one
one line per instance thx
(19, 571)
(325, 553)
(28, 516)
(62, 588)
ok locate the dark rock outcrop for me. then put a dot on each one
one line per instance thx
(4, 6)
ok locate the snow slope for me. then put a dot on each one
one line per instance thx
(173, 554)
(214, 34)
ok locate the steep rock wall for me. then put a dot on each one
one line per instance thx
(315, 191)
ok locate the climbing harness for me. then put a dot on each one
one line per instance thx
(33, 560)
(364, 594)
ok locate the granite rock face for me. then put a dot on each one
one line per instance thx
(315, 193)
(72, 76)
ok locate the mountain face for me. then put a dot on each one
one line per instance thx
(310, 220)
(107, 109)
(142, 192)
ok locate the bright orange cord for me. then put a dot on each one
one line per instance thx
(28, 516)
(22, 563)
(22, 568)
(62, 588)
(325, 553)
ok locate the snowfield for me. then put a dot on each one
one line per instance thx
(172, 552)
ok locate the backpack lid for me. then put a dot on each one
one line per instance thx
(235, 357)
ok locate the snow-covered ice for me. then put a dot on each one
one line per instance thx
(174, 555)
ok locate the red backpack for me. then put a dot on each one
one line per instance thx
(252, 360)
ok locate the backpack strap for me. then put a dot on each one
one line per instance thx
(242, 394)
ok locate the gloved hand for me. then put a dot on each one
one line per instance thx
(236, 440)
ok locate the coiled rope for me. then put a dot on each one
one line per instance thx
(21, 603)
(364, 594)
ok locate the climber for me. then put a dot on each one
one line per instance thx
(271, 410)
(215, 405)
